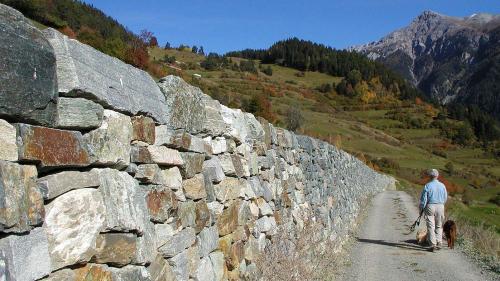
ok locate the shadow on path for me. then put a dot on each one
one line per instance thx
(408, 244)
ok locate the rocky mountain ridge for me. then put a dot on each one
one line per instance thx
(436, 52)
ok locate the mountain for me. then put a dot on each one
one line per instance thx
(451, 59)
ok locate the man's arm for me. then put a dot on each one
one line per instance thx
(423, 198)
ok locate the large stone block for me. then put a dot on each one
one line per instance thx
(27, 71)
(205, 270)
(143, 129)
(194, 188)
(125, 202)
(8, 145)
(160, 270)
(52, 148)
(208, 240)
(21, 203)
(193, 164)
(213, 170)
(118, 249)
(202, 218)
(160, 155)
(161, 202)
(54, 185)
(229, 189)
(178, 242)
(85, 72)
(25, 258)
(190, 109)
(187, 142)
(110, 143)
(78, 113)
(218, 262)
(70, 242)
(228, 220)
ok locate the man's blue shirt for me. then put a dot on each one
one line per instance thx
(434, 193)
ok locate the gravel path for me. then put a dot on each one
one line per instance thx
(385, 251)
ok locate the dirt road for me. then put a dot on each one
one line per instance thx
(385, 251)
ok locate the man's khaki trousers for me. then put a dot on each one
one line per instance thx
(434, 216)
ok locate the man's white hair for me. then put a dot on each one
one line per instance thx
(433, 173)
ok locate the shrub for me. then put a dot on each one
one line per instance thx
(294, 119)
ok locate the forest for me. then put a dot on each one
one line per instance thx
(355, 68)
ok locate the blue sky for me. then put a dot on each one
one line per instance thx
(226, 25)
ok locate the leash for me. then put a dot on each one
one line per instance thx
(417, 222)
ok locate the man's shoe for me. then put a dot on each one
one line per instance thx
(432, 249)
(438, 247)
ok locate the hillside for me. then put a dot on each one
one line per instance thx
(451, 59)
(400, 137)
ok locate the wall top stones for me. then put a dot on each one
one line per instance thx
(85, 72)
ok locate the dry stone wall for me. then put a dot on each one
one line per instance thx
(107, 175)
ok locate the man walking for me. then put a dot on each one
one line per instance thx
(432, 202)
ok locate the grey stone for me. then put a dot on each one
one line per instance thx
(163, 135)
(54, 185)
(150, 173)
(229, 189)
(240, 166)
(208, 240)
(8, 145)
(226, 162)
(85, 72)
(164, 232)
(217, 260)
(205, 270)
(160, 270)
(118, 249)
(264, 225)
(180, 266)
(110, 143)
(61, 275)
(21, 203)
(190, 109)
(25, 257)
(173, 178)
(69, 242)
(78, 113)
(193, 164)
(187, 214)
(218, 144)
(28, 68)
(265, 209)
(213, 169)
(129, 273)
(187, 142)
(125, 202)
(194, 188)
(160, 155)
(178, 243)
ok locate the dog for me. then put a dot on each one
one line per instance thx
(421, 236)
(450, 231)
